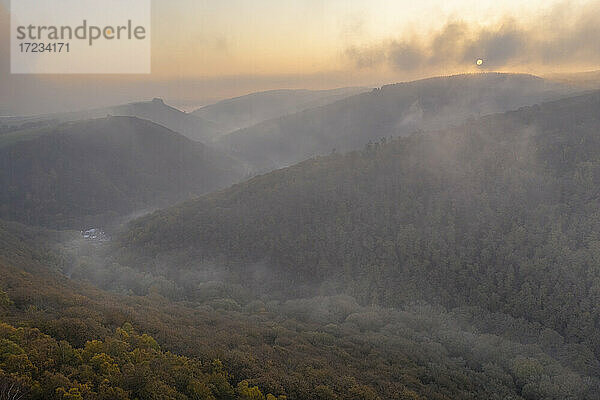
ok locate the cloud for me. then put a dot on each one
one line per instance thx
(565, 37)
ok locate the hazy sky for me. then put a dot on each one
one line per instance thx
(203, 50)
(209, 37)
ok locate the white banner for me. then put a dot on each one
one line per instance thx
(80, 36)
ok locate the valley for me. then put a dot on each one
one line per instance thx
(445, 250)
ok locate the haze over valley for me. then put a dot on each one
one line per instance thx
(370, 202)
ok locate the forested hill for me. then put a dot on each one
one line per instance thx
(501, 212)
(244, 111)
(155, 110)
(60, 339)
(63, 339)
(87, 172)
(393, 110)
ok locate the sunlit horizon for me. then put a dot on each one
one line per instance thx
(203, 52)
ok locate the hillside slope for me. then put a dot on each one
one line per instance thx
(500, 213)
(60, 338)
(393, 110)
(88, 172)
(248, 110)
(156, 111)
(589, 80)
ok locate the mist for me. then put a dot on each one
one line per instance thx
(333, 201)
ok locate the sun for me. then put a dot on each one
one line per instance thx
(479, 62)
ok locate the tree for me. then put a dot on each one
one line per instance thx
(246, 392)
(5, 301)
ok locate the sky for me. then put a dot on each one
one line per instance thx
(206, 50)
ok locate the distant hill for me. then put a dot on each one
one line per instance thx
(393, 110)
(245, 111)
(500, 213)
(91, 171)
(156, 111)
(589, 80)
